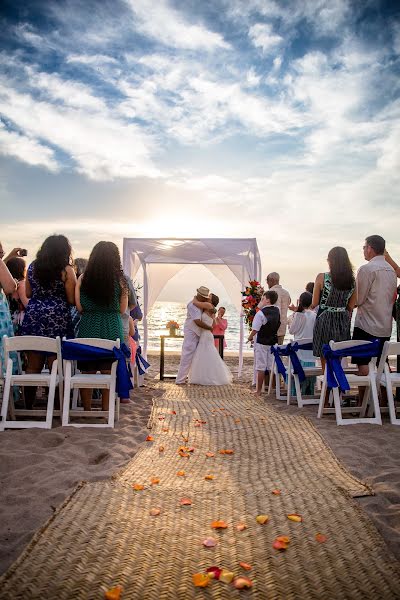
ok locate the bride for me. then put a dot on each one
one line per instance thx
(207, 367)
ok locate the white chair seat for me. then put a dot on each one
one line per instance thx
(354, 380)
(83, 380)
(28, 379)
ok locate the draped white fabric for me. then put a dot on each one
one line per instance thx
(233, 261)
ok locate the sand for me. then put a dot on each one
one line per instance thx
(40, 468)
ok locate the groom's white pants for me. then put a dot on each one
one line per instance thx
(190, 343)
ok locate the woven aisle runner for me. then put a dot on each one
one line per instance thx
(104, 535)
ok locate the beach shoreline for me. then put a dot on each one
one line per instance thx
(40, 468)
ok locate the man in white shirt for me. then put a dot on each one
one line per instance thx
(191, 331)
(376, 292)
(283, 303)
(265, 324)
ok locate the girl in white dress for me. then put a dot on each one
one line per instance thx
(207, 367)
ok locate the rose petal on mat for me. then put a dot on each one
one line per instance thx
(226, 576)
(283, 538)
(154, 480)
(245, 566)
(191, 449)
(210, 542)
(210, 454)
(149, 438)
(185, 502)
(295, 517)
(161, 418)
(262, 519)
(214, 572)
(137, 487)
(321, 538)
(281, 546)
(113, 593)
(242, 583)
(219, 525)
(200, 580)
(173, 412)
(227, 451)
(161, 448)
(154, 512)
(183, 454)
(241, 526)
(185, 438)
(209, 477)
(181, 473)
(276, 492)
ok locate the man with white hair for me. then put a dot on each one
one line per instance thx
(282, 303)
(191, 332)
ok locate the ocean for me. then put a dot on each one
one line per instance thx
(162, 312)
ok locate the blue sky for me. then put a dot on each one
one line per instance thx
(276, 120)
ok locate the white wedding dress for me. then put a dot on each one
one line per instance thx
(207, 367)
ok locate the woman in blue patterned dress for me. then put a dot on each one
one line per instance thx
(335, 294)
(50, 285)
(8, 286)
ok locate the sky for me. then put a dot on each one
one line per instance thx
(278, 120)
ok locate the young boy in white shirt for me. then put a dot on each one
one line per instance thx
(265, 324)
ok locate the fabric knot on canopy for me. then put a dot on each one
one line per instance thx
(234, 261)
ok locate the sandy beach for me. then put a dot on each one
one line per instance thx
(40, 468)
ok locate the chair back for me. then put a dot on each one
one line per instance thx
(97, 343)
(347, 344)
(302, 341)
(389, 349)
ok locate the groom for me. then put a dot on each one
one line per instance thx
(191, 332)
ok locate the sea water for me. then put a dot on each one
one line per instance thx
(162, 312)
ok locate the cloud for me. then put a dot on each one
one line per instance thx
(262, 36)
(166, 25)
(26, 149)
(91, 59)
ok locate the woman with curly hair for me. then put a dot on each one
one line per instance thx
(50, 287)
(335, 294)
(101, 297)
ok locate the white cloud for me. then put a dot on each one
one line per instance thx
(26, 149)
(263, 36)
(91, 59)
(163, 23)
(252, 79)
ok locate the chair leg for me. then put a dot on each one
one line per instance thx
(298, 391)
(375, 401)
(389, 391)
(271, 379)
(337, 405)
(6, 393)
(67, 392)
(111, 406)
(50, 398)
(322, 399)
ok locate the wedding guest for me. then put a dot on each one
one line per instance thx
(18, 300)
(335, 293)
(7, 286)
(376, 293)
(50, 287)
(310, 287)
(220, 326)
(101, 297)
(282, 303)
(301, 325)
(266, 326)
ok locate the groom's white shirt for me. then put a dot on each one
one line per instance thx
(193, 313)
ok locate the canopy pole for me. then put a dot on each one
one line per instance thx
(241, 337)
(145, 307)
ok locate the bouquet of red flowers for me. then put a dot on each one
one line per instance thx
(251, 298)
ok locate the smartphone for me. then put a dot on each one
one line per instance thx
(23, 252)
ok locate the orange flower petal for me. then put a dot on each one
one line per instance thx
(296, 518)
(154, 481)
(262, 519)
(283, 538)
(219, 525)
(226, 576)
(245, 566)
(241, 526)
(281, 546)
(183, 454)
(242, 583)
(185, 502)
(137, 487)
(173, 412)
(161, 448)
(210, 454)
(149, 438)
(200, 580)
(154, 512)
(209, 477)
(181, 473)
(227, 451)
(113, 593)
(210, 542)
(276, 492)
(321, 538)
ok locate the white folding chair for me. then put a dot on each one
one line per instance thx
(275, 379)
(370, 393)
(45, 379)
(308, 372)
(101, 381)
(389, 379)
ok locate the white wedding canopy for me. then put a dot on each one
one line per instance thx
(233, 261)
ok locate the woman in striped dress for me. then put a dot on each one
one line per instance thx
(335, 294)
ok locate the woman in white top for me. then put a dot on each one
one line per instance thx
(301, 325)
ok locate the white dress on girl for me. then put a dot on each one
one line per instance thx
(207, 366)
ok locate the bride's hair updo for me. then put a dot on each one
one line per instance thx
(214, 299)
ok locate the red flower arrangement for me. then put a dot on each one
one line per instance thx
(251, 298)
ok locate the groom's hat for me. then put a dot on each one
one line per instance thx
(203, 291)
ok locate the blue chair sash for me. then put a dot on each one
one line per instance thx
(141, 362)
(334, 371)
(279, 351)
(294, 347)
(76, 351)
